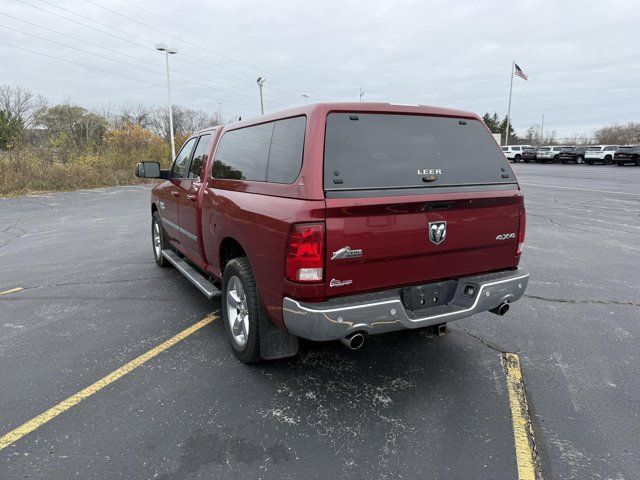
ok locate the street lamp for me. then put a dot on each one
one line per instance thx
(305, 96)
(169, 51)
(260, 82)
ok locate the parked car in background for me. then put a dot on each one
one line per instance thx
(294, 219)
(627, 154)
(529, 154)
(548, 154)
(514, 152)
(600, 154)
(573, 154)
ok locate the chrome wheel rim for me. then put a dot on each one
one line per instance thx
(237, 311)
(157, 244)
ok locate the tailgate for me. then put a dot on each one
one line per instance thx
(390, 243)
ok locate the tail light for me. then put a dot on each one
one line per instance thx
(305, 253)
(521, 230)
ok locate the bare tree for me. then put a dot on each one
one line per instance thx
(185, 121)
(618, 134)
(535, 136)
(22, 104)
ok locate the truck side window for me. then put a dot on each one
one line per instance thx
(199, 156)
(179, 169)
(285, 155)
(242, 154)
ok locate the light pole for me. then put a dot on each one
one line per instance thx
(169, 51)
(260, 82)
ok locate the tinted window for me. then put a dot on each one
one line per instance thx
(179, 169)
(505, 149)
(595, 149)
(625, 149)
(544, 149)
(610, 147)
(516, 148)
(368, 151)
(285, 155)
(200, 156)
(242, 154)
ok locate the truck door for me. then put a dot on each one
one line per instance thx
(188, 213)
(173, 190)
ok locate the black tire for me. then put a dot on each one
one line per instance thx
(517, 158)
(157, 252)
(526, 160)
(589, 162)
(240, 269)
(579, 159)
(607, 160)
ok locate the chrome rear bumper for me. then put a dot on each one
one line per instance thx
(381, 312)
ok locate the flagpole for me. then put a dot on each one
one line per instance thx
(506, 135)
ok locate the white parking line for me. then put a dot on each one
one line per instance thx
(583, 189)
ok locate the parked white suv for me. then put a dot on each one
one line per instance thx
(514, 152)
(548, 154)
(600, 154)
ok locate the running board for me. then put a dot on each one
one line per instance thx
(195, 277)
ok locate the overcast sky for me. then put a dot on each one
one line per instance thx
(582, 57)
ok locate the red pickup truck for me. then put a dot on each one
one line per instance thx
(334, 221)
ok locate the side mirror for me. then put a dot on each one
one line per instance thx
(148, 170)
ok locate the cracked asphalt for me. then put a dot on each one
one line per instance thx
(405, 406)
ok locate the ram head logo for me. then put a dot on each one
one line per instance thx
(437, 232)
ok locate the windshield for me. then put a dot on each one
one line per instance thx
(373, 151)
(626, 149)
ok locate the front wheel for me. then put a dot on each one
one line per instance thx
(241, 309)
(579, 160)
(158, 239)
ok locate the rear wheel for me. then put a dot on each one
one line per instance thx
(158, 239)
(607, 160)
(241, 309)
(579, 159)
(517, 158)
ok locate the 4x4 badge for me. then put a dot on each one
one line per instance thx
(437, 232)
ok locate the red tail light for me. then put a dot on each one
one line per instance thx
(305, 253)
(521, 230)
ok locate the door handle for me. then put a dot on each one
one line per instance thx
(175, 193)
(191, 197)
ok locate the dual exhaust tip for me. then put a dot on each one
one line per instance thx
(501, 309)
(355, 341)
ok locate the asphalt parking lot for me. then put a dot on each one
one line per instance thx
(405, 406)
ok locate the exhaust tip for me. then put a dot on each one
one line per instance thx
(501, 309)
(353, 341)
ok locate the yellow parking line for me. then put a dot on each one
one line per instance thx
(13, 290)
(28, 427)
(522, 430)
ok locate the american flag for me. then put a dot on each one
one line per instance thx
(518, 71)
